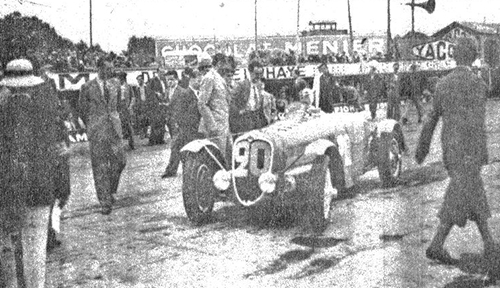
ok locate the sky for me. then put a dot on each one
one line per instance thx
(114, 22)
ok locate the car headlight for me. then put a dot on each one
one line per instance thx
(222, 180)
(267, 182)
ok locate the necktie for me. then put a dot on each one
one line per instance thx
(106, 91)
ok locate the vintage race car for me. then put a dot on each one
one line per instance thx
(296, 163)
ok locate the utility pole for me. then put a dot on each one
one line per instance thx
(90, 22)
(389, 37)
(297, 41)
(412, 17)
(256, 41)
(351, 37)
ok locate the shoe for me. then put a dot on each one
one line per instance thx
(106, 210)
(168, 174)
(442, 256)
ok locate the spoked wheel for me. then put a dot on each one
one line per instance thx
(390, 158)
(198, 191)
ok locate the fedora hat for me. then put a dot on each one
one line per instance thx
(19, 73)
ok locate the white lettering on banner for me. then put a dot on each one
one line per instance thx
(312, 48)
(456, 33)
(73, 81)
(437, 50)
(241, 47)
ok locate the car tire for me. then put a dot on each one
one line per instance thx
(390, 158)
(198, 191)
(313, 190)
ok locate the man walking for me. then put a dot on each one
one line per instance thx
(460, 100)
(184, 105)
(30, 147)
(158, 109)
(98, 106)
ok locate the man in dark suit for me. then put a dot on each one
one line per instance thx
(30, 147)
(329, 93)
(185, 113)
(158, 109)
(249, 102)
(393, 94)
(98, 105)
(460, 100)
(374, 87)
(125, 106)
(415, 91)
(143, 97)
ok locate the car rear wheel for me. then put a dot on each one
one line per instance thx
(390, 158)
(198, 191)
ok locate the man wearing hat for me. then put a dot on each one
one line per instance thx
(460, 100)
(29, 148)
(98, 105)
(374, 88)
(213, 102)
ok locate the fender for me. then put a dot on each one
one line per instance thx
(318, 147)
(390, 125)
(199, 145)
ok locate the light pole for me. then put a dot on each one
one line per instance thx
(389, 37)
(351, 37)
(256, 41)
(90, 22)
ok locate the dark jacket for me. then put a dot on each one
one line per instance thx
(29, 131)
(460, 100)
(329, 94)
(184, 107)
(374, 88)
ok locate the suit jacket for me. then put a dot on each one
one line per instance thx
(394, 87)
(328, 93)
(29, 131)
(139, 105)
(127, 98)
(460, 100)
(239, 101)
(374, 87)
(213, 104)
(100, 115)
(184, 107)
(155, 85)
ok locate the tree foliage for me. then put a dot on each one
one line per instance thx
(24, 36)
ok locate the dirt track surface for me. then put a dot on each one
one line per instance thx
(376, 239)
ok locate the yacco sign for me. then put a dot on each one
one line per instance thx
(456, 33)
(241, 47)
(436, 50)
(73, 81)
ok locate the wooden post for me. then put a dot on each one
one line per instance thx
(412, 17)
(389, 37)
(256, 41)
(351, 37)
(90, 22)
